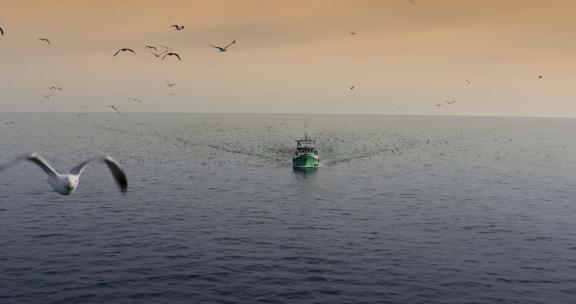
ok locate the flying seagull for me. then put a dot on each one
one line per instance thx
(46, 40)
(159, 54)
(56, 88)
(177, 27)
(151, 47)
(124, 50)
(170, 84)
(352, 87)
(468, 81)
(65, 184)
(135, 99)
(353, 33)
(223, 49)
(171, 54)
(115, 109)
(448, 102)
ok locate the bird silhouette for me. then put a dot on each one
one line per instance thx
(159, 54)
(56, 88)
(352, 87)
(124, 50)
(171, 54)
(115, 109)
(449, 102)
(353, 33)
(151, 47)
(223, 49)
(2, 31)
(177, 27)
(45, 40)
(170, 84)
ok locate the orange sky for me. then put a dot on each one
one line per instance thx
(293, 56)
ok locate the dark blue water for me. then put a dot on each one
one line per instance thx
(403, 210)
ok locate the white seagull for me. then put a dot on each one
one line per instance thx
(65, 184)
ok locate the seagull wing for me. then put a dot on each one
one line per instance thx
(177, 56)
(130, 50)
(116, 53)
(229, 44)
(35, 158)
(216, 47)
(2, 31)
(117, 172)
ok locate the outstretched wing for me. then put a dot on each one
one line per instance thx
(117, 172)
(116, 53)
(35, 158)
(216, 47)
(1, 31)
(229, 44)
(130, 50)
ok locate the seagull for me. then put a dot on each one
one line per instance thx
(171, 54)
(170, 84)
(66, 184)
(223, 49)
(124, 50)
(44, 39)
(46, 96)
(56, 88)
(468, 81)
(135, 99)
(353, 33)
(177, 27)
(448, 102)
(352, 87)
(115, 109)
(159, 54)
(540, 77)
(151, 47)
(2, 31)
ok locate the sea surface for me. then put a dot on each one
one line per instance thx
(404, 209)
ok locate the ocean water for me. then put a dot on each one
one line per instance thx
(404, 209)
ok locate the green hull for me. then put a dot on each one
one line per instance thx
(305, 161)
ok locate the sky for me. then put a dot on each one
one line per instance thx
(294, 56)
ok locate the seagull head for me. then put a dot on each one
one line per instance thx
(71, 182)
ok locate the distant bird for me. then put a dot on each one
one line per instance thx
(66, 184)
(124, 50)
(352, 87)
(135, 99)
(540, 77)
(46, 40)
(177, 27)
(439, 105)
(159, 54)
(172, 54)
(223, 49)
(115, 109)
(151, 47)
(468, 81)
(56, 88)
(2, 31)
(449, 102)
(46, 96)
(353, 33)
(170, 84)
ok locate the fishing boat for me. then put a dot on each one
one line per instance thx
(306, 155)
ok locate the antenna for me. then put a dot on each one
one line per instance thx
(306, 130)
